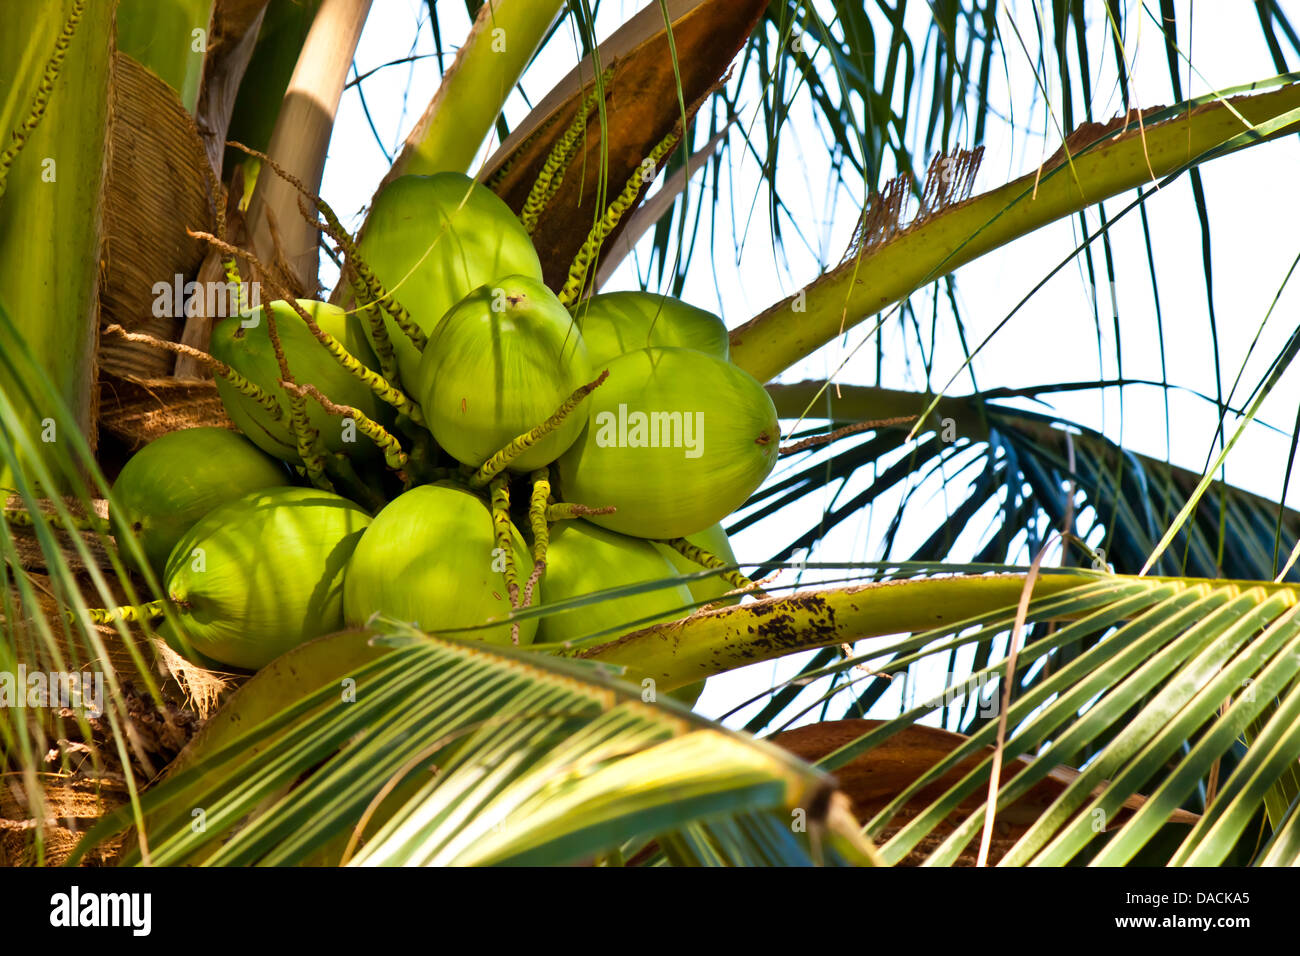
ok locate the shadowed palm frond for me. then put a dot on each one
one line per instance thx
(443, 752)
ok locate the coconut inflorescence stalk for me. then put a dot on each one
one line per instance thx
(715, 589)
(263, 343)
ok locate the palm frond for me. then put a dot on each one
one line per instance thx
(1174, 675)
(993, 456)
(85, 683)
(661, 65)
(1089, 167)
(441, 752)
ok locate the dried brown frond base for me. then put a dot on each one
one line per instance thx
(69, 806)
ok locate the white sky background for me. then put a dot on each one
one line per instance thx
(1254, 209)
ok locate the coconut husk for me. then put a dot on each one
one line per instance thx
(157, 186)
(116, 655)
(137, 412)
(84, 776)
(68, 807)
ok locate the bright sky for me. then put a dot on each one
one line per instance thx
(1253, 205)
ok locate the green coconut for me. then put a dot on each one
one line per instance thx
(582, 559)
(430, 558)
(176, 479)
(711, 590)
(676, 441)
(260, 575)
(503, 360)
(616, 323)
(431, 240)
(244, 343)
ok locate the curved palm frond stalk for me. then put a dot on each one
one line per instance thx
(1169, 661)
(1094, 163)
(503, 40)
(279, 234)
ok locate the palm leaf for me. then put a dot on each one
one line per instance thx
(663, 63)
(1133, 497)
(1169, 661)
(58, 560)
(533, 759)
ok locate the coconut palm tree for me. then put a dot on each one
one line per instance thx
(1117, 640)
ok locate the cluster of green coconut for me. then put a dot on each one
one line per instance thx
(479, 448)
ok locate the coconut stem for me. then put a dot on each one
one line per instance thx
(499, 176)
(541, 480)
(130, 613)
(370, 292)
(27, 519)
(421, 464)
(393, 453)
(567, 510)
(502, 459)
(18, 138)
(707, 559)
(372, 380)
(334, 229)
(577, 279)
(817, 440)
(342, 470)
(237, 381)
(552, 175)
(309, 445)
(505, 543)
